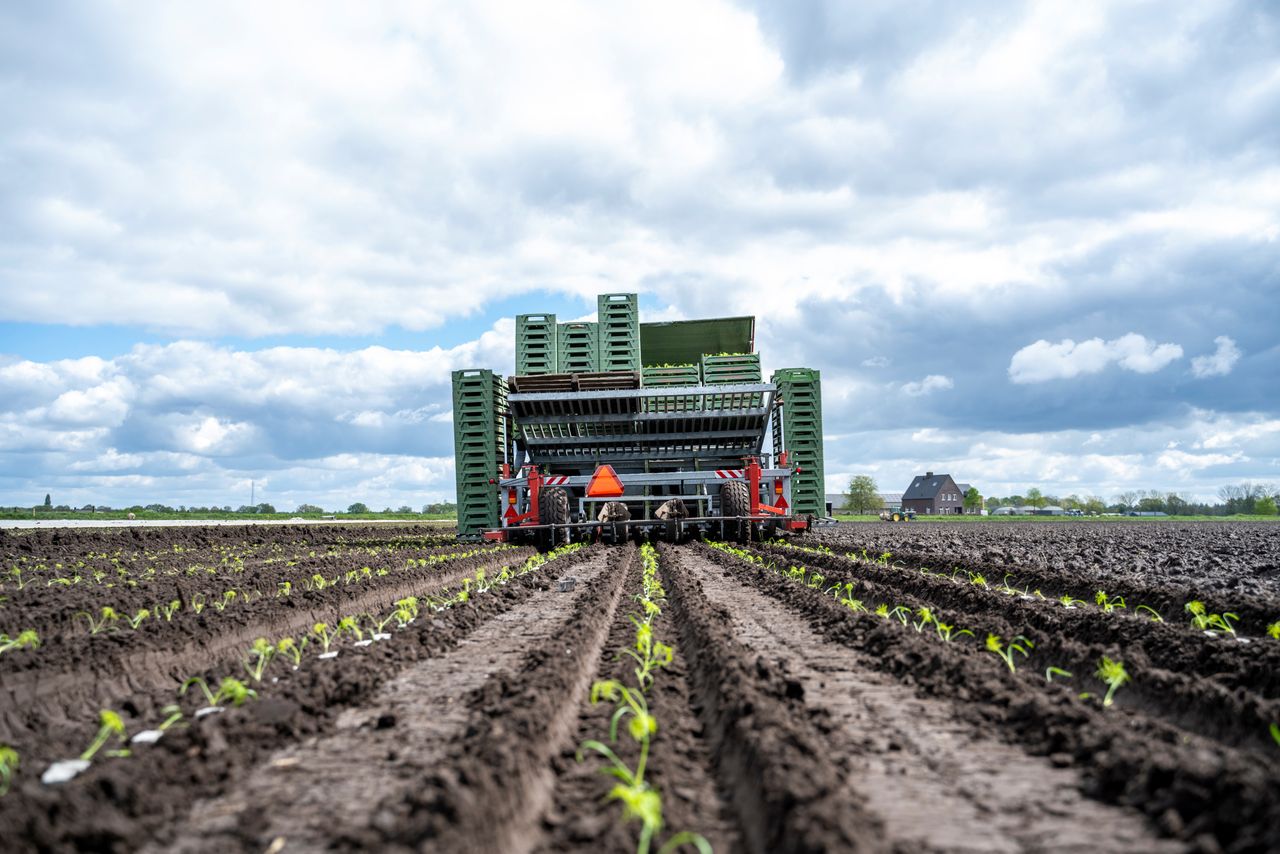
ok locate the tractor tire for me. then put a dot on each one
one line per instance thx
(735, 499)
(553, 509)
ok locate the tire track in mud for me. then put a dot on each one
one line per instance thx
(37, 701)
(679, 763)
(379, 750)
(935, 782)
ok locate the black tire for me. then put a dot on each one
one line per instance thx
(553, 509)
(735, 499)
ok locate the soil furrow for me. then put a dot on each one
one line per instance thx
(1162, 660)
(937, 783)
(124, 804)
(1192, 788)
(769, 749)
(496, 780)
(679, 764)
(38, 703)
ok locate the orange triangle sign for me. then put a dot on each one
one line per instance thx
(604, 483)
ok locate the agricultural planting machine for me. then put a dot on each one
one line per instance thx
(619, 429)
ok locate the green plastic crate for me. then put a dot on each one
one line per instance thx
(799, 424)
(537, 350)
(479, 436)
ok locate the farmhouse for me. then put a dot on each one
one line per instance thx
(934, 495)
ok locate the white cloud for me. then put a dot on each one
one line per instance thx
(876, 362)
(1043, 361)
(928, 385)
(1220, 362)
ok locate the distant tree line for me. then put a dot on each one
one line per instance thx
(47, 506)
(1245, 498)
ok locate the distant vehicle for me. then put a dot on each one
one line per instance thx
(897, 515)
(1075, 512)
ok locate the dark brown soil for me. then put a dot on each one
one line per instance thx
(787, 722)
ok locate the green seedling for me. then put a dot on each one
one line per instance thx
(1005, 651)
(291, 649)
(260, 655)
(1068, 602)
(197, 602)
(1108, 603)
(173, 715)
(26, 639)
(1274, 630)
(648, 653)
(977, 579)
(136, 620)
(380, 623)
(227, 599)
(170, 609)
(105, 618)
(109, 724)
(1275, 732)
(926, 618)
(1113, 674)
(284, 588)
(1202, 619)
(902, 613)
(947, 631)
(229, 689)
(408, 604)
(1056, 671)
(351, 625)
(9, 761)
(322, 633)
(1155, 615)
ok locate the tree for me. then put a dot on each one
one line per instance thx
(1127, 500)
(863, 495)
(1265, 506)
(358, 507)
(48, 501)
(1095, 505)
(309, 508)
(405, 508)
(972, 499)
(1034, 497)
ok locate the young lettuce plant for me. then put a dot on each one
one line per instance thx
(136, 620)
(926, 617)
(230, 690)
(946, 631)
(109, 724)
(26, 639)
(260, 655)
(1203, 620)
(1113, 674)
(9, 761)
(1051, 672)
(1155, 615)
(105, 618)
(322, 633)
(1108, 603)
(1273, 630)
(291, 649)
(1069, 603)
(168, 610)
(1005, 651)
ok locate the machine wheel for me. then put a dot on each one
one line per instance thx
(735, 499)
(553, 509)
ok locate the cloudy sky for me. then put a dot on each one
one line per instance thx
(1029, 244)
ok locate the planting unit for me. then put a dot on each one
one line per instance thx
(642, 430)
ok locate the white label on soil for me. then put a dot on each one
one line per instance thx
(147, 736)
(208, 710)
(61, 772)
(381, 636)
(325, 655)
(362, 643)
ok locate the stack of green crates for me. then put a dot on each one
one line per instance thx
(578, 343)
(669, 376)
(738, 369)
(799, 423)
(619, 328)
(479, 439)
(536, 349)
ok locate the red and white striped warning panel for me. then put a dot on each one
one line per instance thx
(556, 480)
(729, 473)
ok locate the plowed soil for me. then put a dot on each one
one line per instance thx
(787, 720)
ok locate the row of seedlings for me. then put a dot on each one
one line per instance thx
(231, 691)
(640, 800)
(928, 621)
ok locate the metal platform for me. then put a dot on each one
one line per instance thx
(678, 422)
